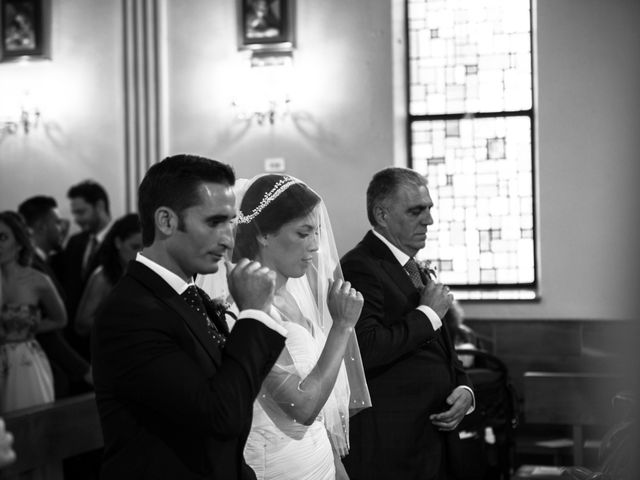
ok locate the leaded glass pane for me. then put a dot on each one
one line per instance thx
(469, 56)
(479, 176)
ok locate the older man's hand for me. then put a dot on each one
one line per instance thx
(460, 401)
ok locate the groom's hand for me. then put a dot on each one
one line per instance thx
(251, 285)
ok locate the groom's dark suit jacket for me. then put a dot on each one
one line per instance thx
(172, 404)
(410, 369)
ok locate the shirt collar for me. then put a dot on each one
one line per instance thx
(402, 257)
(177, 283)
(103, 233)
(40, 253)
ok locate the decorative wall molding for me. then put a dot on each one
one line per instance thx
(144, 55)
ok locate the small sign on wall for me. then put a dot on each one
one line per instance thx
(274, 165)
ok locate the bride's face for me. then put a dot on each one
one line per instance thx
(290, 251)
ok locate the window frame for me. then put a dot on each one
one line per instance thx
(493, 291)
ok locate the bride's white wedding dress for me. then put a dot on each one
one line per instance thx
(278, 447)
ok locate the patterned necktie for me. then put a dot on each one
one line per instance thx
(412, 269)
(192, 296)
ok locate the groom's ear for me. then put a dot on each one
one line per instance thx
(166, 220)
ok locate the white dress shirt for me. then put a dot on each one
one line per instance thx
(179, 285)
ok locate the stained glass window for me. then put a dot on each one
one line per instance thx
(471, 119)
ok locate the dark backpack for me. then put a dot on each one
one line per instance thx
(496, 398)
(497, 407)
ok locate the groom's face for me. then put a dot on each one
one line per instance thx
(206, 231)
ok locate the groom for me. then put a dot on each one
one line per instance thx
(174, 388)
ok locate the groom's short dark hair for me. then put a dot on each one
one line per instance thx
(174, 183)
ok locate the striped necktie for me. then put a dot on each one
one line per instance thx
(411, 267)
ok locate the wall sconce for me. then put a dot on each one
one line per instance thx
(263, 93)
(26, 116)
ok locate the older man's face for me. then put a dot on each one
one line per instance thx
(406, 218)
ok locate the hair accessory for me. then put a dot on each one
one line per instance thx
(270, 196)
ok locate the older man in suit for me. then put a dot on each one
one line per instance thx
(418, 387)
(174, 388)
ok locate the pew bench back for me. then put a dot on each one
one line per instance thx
(49, 433)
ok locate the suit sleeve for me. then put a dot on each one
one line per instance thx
(138, 356)
(383, 342)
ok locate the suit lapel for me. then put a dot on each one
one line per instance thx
(390, 264)
(399, 276)
(163, 291)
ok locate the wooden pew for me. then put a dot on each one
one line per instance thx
(575, 399)
(51, 432)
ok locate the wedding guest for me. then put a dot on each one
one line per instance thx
(301, 418)
(30, 304)
(70, 371)
(174, 387)
(419, 389)
(91, 212)
(119, 247)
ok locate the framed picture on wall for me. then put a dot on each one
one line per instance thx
(24, 29)
(266, 25)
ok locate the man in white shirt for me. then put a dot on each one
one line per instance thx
(418, 387)
(174, 387)
(91, 211)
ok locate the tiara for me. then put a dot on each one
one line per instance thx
(270, 196)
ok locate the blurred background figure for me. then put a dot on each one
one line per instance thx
(91, 212)
(120, 245)
(7, 455)
(461, 335)
(45, 224)
(48, 230)
(30, 304)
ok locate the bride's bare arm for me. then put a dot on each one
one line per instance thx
(302, 399)
(54, 313)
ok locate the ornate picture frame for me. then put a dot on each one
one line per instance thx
(25, 29)
(266, 25)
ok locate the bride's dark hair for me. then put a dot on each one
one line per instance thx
(297, 201)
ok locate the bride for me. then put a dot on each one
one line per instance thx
(300, 423)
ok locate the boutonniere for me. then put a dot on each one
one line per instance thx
(220, 306)
(429, 268)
